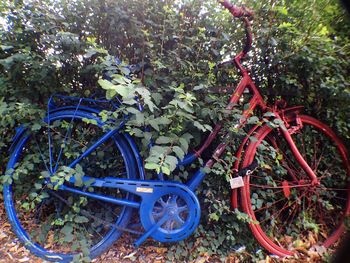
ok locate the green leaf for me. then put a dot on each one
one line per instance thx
(151, 166)
(171, 161)
(123, 90)
(184, 144)
(179, 152)
(110, 94)
(281, 9)
(164, 140)
(125, 70)
(269, 114)
(253, 120)
(253, 139)
(67, 232)
(37, 186)
(166, 170)
(214, 217)
(259, 203)
(4, 47)
(120, 79)
(81, 219)
(199, 126)
(36, 127)
(78, 180)
(90, 121)
(154, 124)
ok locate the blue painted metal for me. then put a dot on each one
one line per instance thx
(113, 200)
(11, 213)
(149, 191)
(96, 109)
(65, 137)
(59, 102)
(109, 238)
(188, 205)
(160, 176)
(49, 138)
(92, 148)
(19, 133)
(151, 230)
(85, 113)
(196, 179)
(137, 187)
(42, 155)
(188, 159)
(137, 156)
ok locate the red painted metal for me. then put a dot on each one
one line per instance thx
(286, 188)
(235, 10)
(256, 100)
(291, 119)
(245, 191)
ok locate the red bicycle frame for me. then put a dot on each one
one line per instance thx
(255, 101)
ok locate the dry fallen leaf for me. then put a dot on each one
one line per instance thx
(25, 259)
(201, 260)
(13, 249)
(9, 255)
(3, 235)
(130, 255)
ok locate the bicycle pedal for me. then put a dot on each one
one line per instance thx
(236, 182)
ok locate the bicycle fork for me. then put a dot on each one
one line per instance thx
(304, 165)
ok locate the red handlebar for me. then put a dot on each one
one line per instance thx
(243, 13)
(235, 10)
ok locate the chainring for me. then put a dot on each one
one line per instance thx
(180, 205)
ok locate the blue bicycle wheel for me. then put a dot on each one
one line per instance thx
(53, 224)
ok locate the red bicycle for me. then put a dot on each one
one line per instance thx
(298, 195)
(290, 176)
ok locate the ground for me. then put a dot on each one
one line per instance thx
(11, 250)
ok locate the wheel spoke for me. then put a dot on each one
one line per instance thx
(50, 144)
(93, 147)
(46, 224)
(268, 206)
(41, 154)
(297, 210)
(68, 132)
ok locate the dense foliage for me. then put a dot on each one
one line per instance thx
(301, 52)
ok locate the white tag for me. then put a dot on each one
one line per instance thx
(144, 190)
(236, 182)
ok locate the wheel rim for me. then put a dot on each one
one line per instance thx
(108, 157)
(293, 215)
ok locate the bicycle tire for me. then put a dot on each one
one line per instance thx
(289, 214)
(118, 152)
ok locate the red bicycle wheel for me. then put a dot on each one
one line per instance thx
(290, 214)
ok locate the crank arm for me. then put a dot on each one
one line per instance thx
(151, 230)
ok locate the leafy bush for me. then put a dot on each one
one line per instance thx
(301, 52)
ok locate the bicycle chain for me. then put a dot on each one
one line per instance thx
(104, 222)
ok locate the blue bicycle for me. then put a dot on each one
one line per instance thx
(90, 174)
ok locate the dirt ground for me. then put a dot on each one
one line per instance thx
(11, 250)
